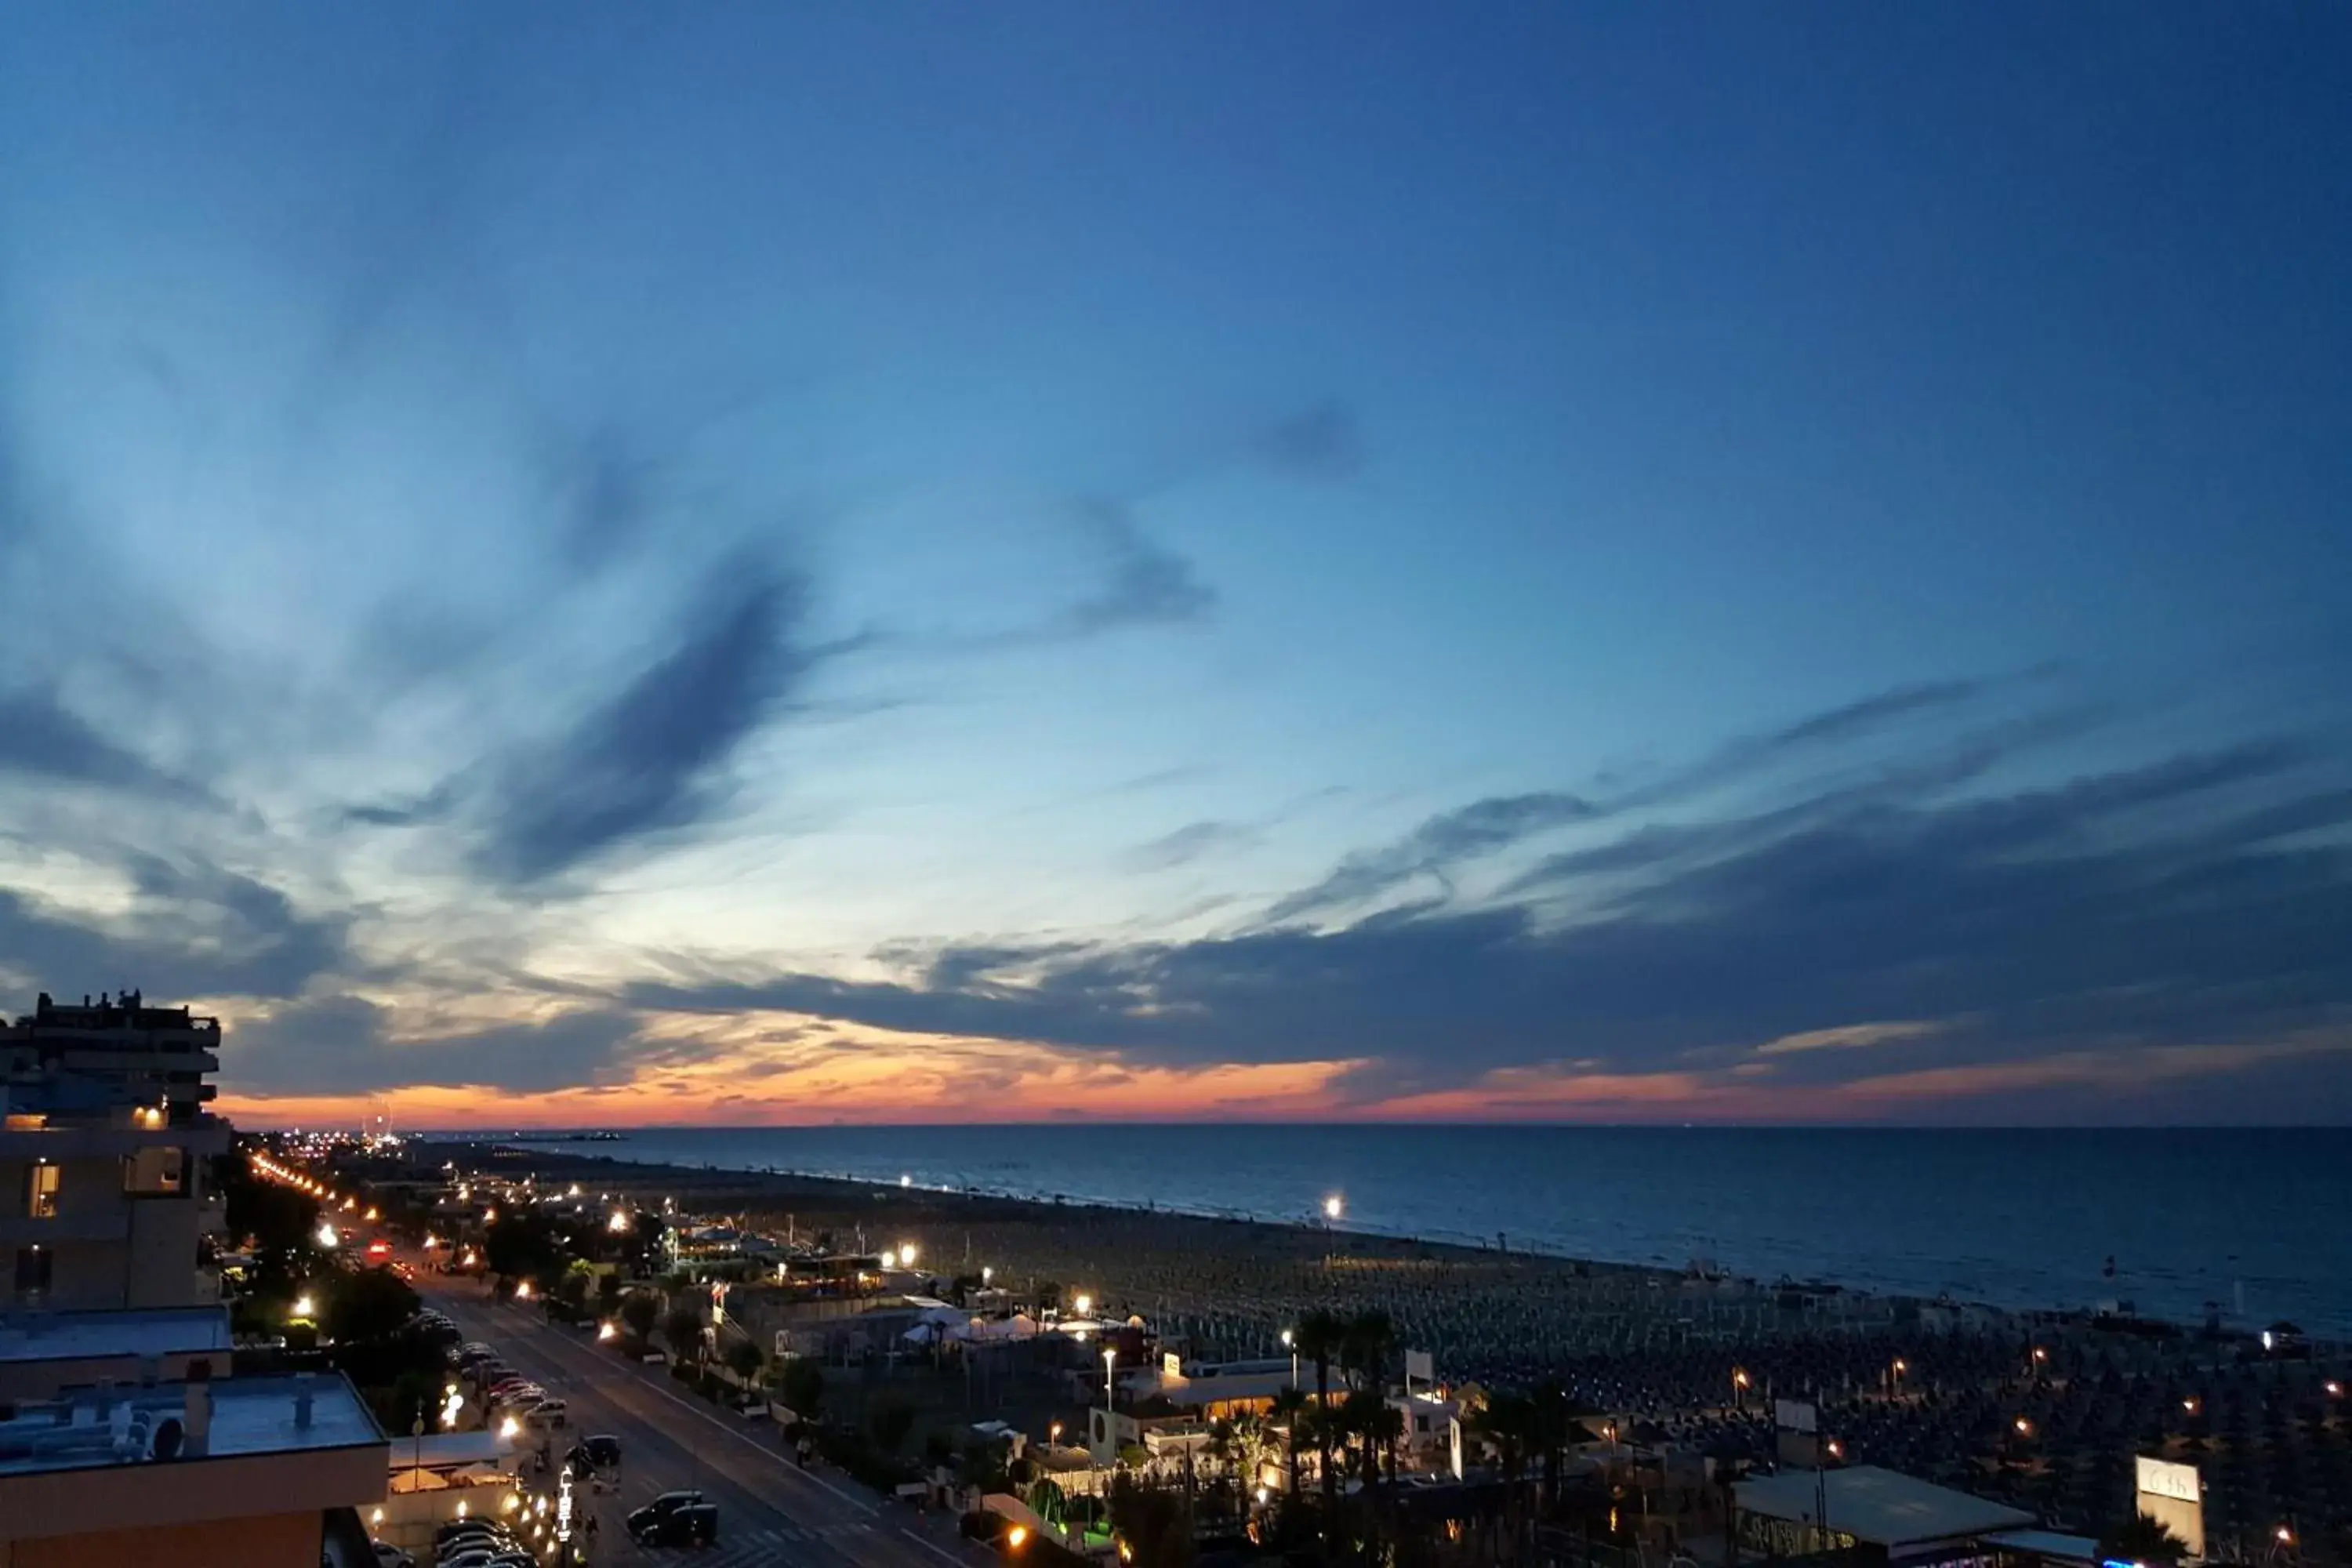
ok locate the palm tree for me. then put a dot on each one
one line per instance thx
(2140, 1539)
(1321, 1335)
(1289, 1411)
(1507, 1422)
(1365, 1345)
(1549, 1424)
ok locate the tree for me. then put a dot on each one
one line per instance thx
(1365, 1345)
(572, 1288)
(1153, 1525)
(1289, 1413)
(891, 1421)
(744, 1360)
(367, 1305)
(2140, 1539)
(1508, 1423)
(640, 1312)
(521, 1245)
(803, 1386)
(682, 1327)
(1320, 1335)
(274, 1218)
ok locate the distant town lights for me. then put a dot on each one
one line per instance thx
(906, 1180)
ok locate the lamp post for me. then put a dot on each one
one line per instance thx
(1290, 1343)
(1111, 1354)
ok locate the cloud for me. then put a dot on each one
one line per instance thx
(192, 930)
(1436, 847)
(2116, 911)
(339, 1043)
(1321, 442)
(1848, 1038)
(40, 738)
(1194, 841)
(1450, 839)
(1144, 581)
(648, 757)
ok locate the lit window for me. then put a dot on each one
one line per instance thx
(41, 1190)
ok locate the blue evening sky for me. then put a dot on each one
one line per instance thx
(1330, 559)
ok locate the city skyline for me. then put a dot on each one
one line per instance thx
(1361, 566)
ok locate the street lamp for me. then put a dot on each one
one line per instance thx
(1109, 1355)
(305, 1305)
(326, 1237)
(1290, 1343)
(907, 1255)
(619, 1222)
(1332, 1207)
(986, 1274)
(1085, 1304)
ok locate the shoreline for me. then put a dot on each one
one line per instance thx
(1720, 1306)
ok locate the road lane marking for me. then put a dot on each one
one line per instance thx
(757, 1447)
(932, 1547)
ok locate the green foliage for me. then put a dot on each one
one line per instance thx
(275, 1218)
(572, 1288)
(890, 1421)
(803, 1386)
(2140, 1539)
(522, 1246)
(608, 1290)
(744, 1360)
(367, 1305)
(640, 1312)
(1155, 1525)
(682, 1330)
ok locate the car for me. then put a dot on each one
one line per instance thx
(515, 1401)
(546, 1413)
(687, 1524)
(387, 1556)
(603, 1451)
(469, 1529)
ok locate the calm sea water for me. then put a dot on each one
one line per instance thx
(2259, 1221)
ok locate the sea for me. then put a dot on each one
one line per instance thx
(2256, 1224)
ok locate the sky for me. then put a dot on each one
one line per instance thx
(1361, 561)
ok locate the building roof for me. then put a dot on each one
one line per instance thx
(2048, 1543)
(1883, 1507)
(1192, 1392)
(250, 1415)
(93, 1336)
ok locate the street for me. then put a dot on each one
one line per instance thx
(769, 1511)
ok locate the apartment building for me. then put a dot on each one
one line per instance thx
(105, 1143)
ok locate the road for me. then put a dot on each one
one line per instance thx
(771, 1511)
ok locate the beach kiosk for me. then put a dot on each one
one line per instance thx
(1876, 1514)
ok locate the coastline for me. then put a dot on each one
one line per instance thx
(1230, 1282)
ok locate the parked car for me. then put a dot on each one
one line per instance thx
(387, 1556)
(604, 1450)
(694, 1523)
(546, 1413)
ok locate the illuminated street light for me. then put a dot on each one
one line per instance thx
(1016, 1535)
(1085, 1304)
(304, 1306)
(606, 1330)
(986, 1274)
(326, 1234)
(619, 1222)
(522, 1289)
(1332, 1206)
(906, 1181)
(889, 1258)
(510, 1427)
(907, 1254)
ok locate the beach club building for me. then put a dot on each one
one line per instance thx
(1881, 1515)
